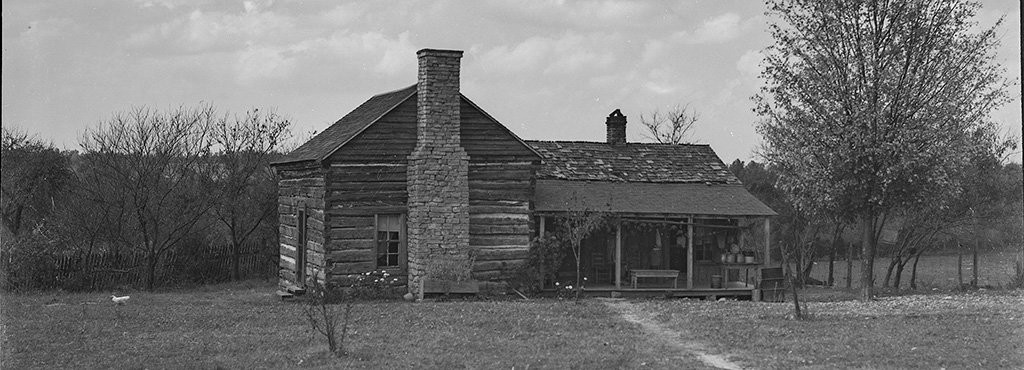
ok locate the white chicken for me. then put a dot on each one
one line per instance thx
(119, 300)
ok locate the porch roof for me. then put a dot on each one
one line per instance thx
(639, 197)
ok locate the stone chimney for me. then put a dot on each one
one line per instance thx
(616, 123)
(438, 173)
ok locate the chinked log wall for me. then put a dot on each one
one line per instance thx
(367, 177)
(300, 186)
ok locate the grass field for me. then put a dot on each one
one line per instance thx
(245, 326)
(237, 327)
(965, 331)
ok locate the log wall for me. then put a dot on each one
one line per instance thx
(367, 176)
(300, 186)
(501, 172)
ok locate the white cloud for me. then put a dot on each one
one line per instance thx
(341, 57)
(200, 31)
(568, 54)
(662, 81)
(722, 28)
(526, 55)
(749, 63)
(580, 15)
(263, 63)
(152, 3)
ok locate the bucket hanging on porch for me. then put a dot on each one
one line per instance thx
(716, 281)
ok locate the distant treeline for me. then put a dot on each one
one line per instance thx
(154, 198)
(988, 215)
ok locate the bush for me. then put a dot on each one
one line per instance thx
(29, 261)
(329, 309)
(1017, 280)
(541, 267)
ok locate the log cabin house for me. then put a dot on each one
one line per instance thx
(422, 176)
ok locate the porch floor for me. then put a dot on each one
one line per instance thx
(733, 290)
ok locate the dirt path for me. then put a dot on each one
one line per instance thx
(671, 340)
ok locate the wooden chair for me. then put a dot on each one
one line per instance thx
(772, 284)
(601, 271)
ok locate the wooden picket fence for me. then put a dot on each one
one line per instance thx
(111, 270)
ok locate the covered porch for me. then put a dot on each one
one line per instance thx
(676, 240)
(687, 256)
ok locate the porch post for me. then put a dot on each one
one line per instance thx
(767, 241)
(689, 254)
(618, 254)
(741, 231)
(540, 234)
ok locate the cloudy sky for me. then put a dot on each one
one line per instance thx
(548, 70)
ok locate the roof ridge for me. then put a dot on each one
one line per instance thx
(383, 113)
(392, 91)
(618, 145)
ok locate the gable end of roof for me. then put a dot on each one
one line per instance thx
(327, 142)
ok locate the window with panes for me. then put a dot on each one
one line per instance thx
(389, 241)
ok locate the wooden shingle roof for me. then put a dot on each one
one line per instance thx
(713, 199)
(327, 142)
(631, 162)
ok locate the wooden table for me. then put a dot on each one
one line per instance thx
(746, 267)
(674, 274)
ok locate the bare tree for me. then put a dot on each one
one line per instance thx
(328, 310)
(672, 127)
(243, 180)
(151, 168)
(34, 173)
(578, 223)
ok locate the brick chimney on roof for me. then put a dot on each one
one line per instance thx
(616, 123)
(438, 174)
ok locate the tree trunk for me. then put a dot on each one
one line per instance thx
(796, 302)
(832, 266)
(913, 272)
(899, 273)
(579, 287)
(974, 265)
(893, 261)
(805, 275)
(153, 261)
(236, 258)
(867, 259)
(849, 266)
(959, 266)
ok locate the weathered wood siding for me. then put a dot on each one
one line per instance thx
(501, 171)
(367, 176)
(300, 186)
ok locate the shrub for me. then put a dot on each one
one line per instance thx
(29, 261)
(541, 267)
(329, 309)
(1017, 280)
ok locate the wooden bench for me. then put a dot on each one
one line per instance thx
(674, 274)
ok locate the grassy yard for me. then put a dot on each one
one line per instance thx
(238, 327)
(966, 331)
(243, 326)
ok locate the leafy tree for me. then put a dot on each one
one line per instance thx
(149, 168)
(244, 182)
(577, 225)
(672, 127)
(869, 103)
(979, 198)
(34, 176)
(796, 232)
